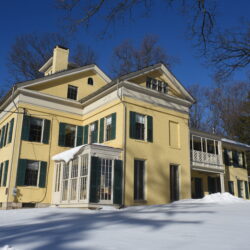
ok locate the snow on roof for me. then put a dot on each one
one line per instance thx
(67, 155)
(235, 142)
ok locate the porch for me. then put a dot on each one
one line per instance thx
(88, 175)
(206, 153)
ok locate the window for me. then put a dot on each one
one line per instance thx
(93, 131)
(158, 85)
(226, 157)
(235, 158)
(141, 127)
(31, 173)
(70, 131)
(35, 129)
(58, 177)
(106, 180)
(36, 126)
(139, 182)
(65, 182)
(108, 124)
(240, 188)
(3, 173)
(83, 177)
(72, 92)
(73, 179)
(70, 135)
(107, 128)
(231, 187)
(90, 81)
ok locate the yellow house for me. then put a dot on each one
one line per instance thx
(76, 138)
(218, 165)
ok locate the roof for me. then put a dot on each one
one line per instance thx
(235, 143)
(54, 76)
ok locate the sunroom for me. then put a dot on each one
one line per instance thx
(87, 176)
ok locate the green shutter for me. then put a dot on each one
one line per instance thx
(42, 177)
(61, 138)
(238, 184)
(86, 134)
(95, 179)
(21, 172)
(150, 128)
(95, 133)
(46, 131)
(231, 187)
(5, 173)
(117, 182)
(11, 130)
(79, 139)
(2, 137)
(26, 128)
(1, 172)
(101, 133)
(113, 126)
(132, 125)
(246, 189)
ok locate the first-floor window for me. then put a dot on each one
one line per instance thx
(65, 182)
(73, 179)
(58, 177)
(139, 180)
(83, 177)
(240, 188)
(231, 187)
(31, 173)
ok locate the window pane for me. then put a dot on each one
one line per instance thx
(140, 127)
(108, 128)
(31, 173)
(72, 92)
(70, 131)
(36, 125)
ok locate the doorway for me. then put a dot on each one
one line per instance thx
(174, 183)
(198, 188)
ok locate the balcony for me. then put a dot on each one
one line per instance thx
(206, 154)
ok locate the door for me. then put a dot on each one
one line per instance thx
(198, 188)
(213, 184)
(174, 183)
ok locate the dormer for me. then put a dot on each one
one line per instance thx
(58, 62)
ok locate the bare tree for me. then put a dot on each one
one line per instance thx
(83, 55)
(199, 109)
(201, 13)
(227, 107)
(126, 58)
(230, 51)
(30, 51)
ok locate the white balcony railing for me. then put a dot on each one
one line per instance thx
(206, 158)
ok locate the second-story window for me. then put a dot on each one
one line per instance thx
(158, 85)
(70, 131)
(36, 129)
(93, 132)
(108, 128)
(72, 92)
(141, 127)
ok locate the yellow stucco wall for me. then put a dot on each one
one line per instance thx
(158, 155)
(60, 87)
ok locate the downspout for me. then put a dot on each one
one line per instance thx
(124, 140)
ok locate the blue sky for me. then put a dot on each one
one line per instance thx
(27, 16)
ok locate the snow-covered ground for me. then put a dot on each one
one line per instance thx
(214, 222)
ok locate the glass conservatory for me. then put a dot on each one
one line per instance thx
(88, 175)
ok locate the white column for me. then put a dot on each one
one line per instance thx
(222, 183)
